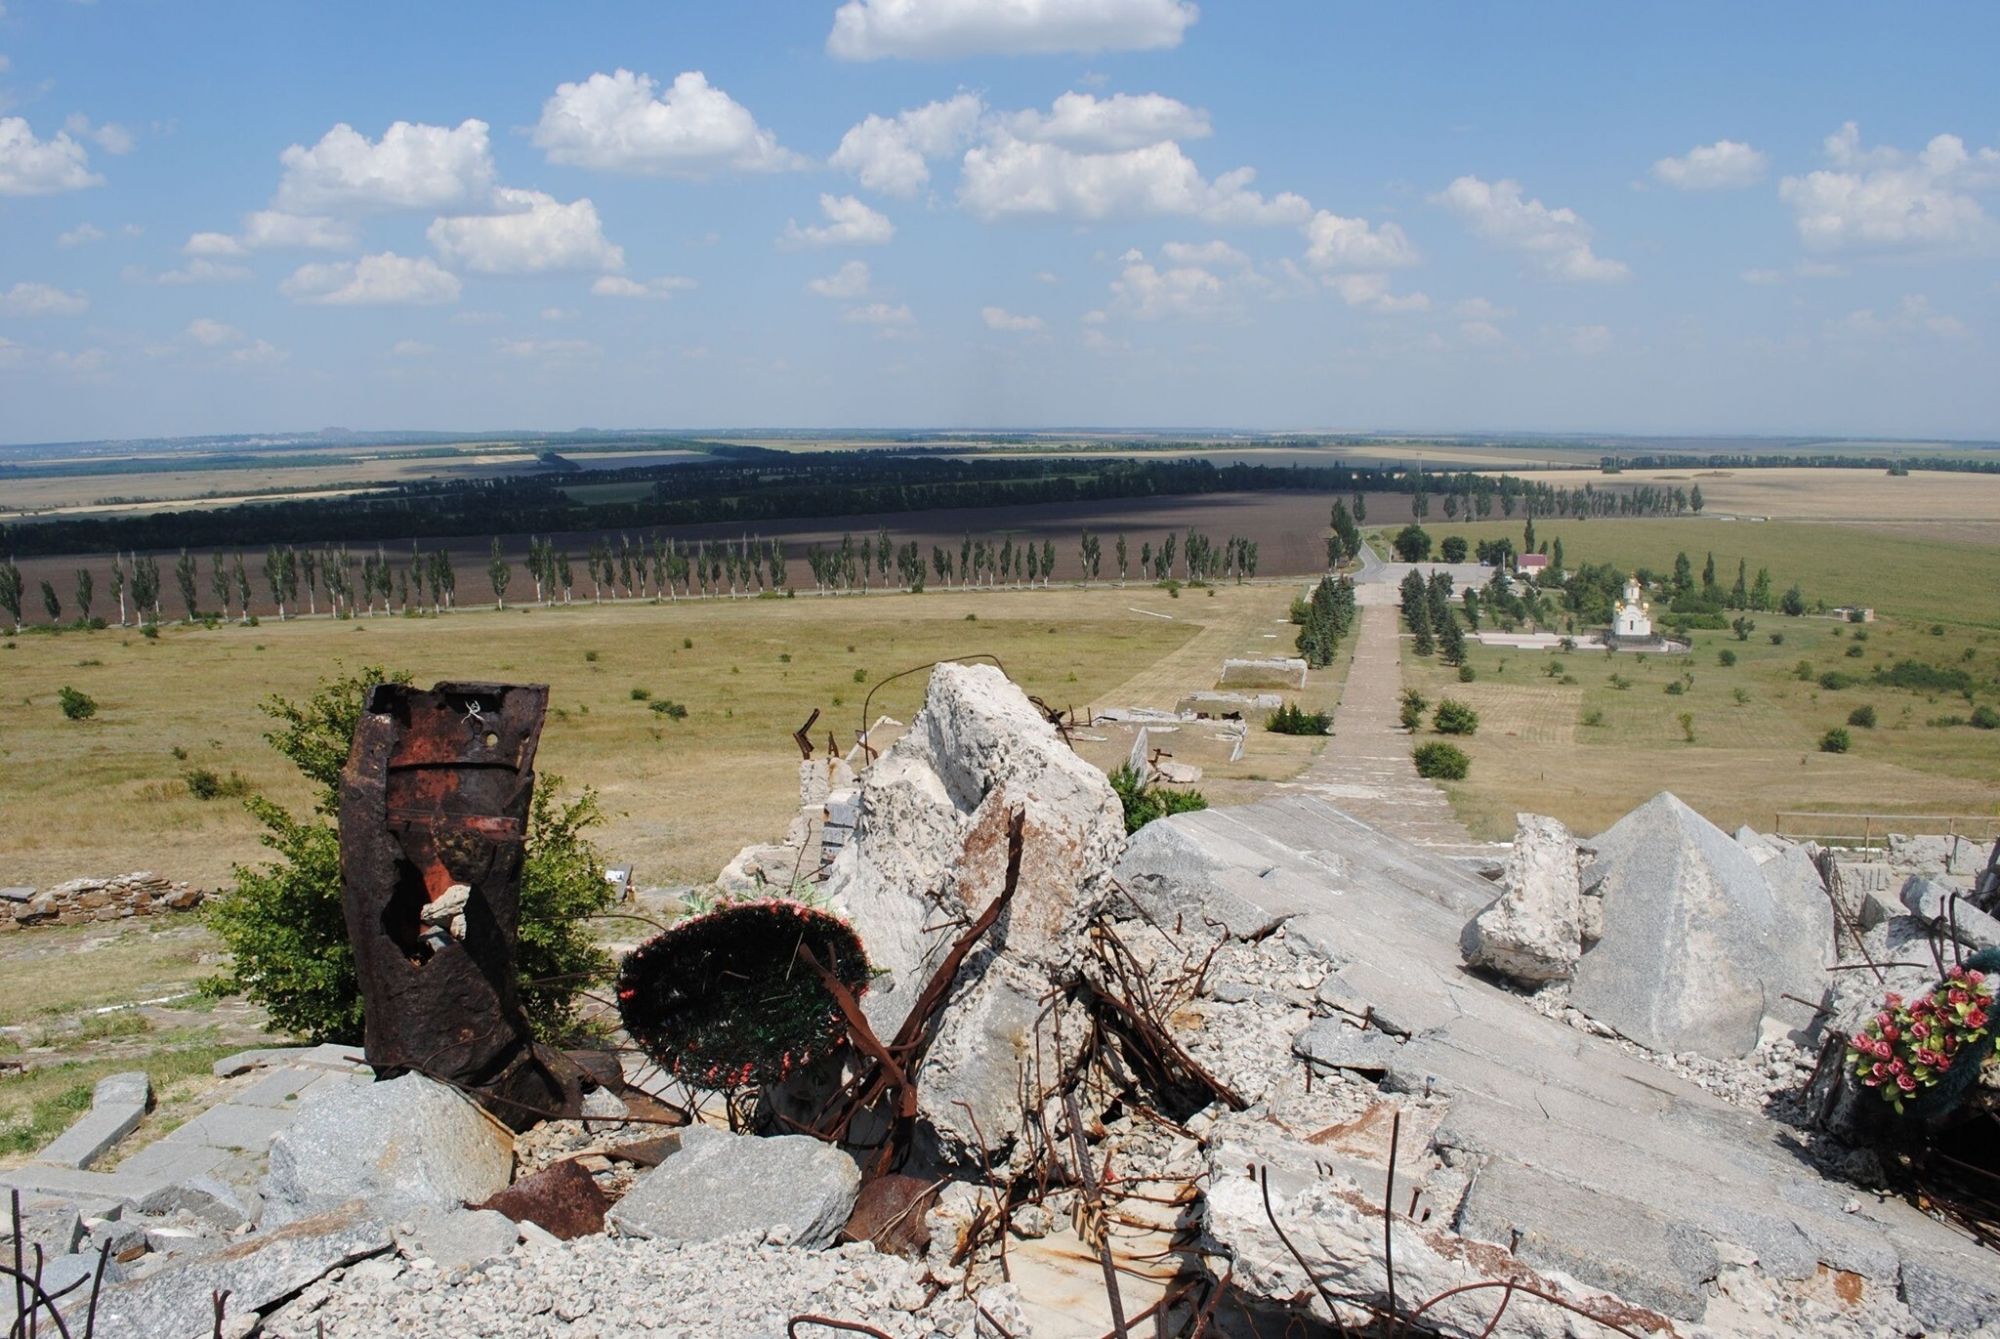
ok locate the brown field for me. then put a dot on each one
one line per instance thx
(107, 795)
(1290, 529)
(1816, 494)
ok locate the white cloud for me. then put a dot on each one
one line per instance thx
(1589, 340)
(1763, 277)
(27, 299)
(111, 137)
(848, 282)
(1217, 253)
(81, 235)
(1555, 239)
(849, 223)
(1480, 309)
(411, 348)
(213, 244)
(547, 350)
(1010, 177)
(1724, 165)
(1370, 292)
(1481, 334)
(560, 313)
(275, 230)
(83, 363)
(382, 280)
(1090, 124)
(412, 166)
(1336, 243)
(892, 154)
(616, 123)
(199, 270)
(30, 166)
(882, 315)
(257, 353)
(999, 318)
(618, 286)
(944, 29)
(1147, 293)
(1883, 199)
(533, 234)
(1914, 315)
(211, 333)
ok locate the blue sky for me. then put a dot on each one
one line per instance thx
(1607, 217)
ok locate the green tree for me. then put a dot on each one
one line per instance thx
(1412, 544)
(1453, 549)
(51, 602)
(283, 922)
(184, 577)
(1794, 603)
(1694, 499)
(1360, 509)
(86, 587)
(499, 572)
(10, 591)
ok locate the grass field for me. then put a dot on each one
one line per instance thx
(1784, 494)
(1922, 575)
(681, 796)
(1586, 750)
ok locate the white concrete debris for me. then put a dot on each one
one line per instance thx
(1533, 932)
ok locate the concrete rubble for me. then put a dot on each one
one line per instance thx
(1326, 1065)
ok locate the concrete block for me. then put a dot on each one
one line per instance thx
(278, 1089)
(118, 1106)
(230, 1126)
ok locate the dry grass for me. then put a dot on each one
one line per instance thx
(1815, 494)
(105, 795)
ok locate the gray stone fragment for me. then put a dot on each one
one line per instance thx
(1333, 1044)
(1168, 872)
(1947, 907)
(1962, 1300)
(67, 1279)
(1698, 946)
(118, 1105)
(409, 1142)
(1532, 932)
(213, 1201)
(176, 1303)
(458, 1241)
(54, 1224)
(719, 1184)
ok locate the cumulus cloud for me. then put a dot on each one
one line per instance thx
(413, 166)
(532, 234)
(1724, 165)
(946, 29)
(621, 122)
(1557, 241)
(1091, 124)
(81, 235)
(850, 222)
(1211, 254)
(29, 299)
(1914, 315)
(1370, 292)
(1146, 292)
(848, 282)
(618, 286)
(999, 318)
(382, 280)
(199, 270)
(31, 166)
(411, 348)
(1336, 243)
(892, 154)
(888, 320)
(1009, 177)
(211, 333)
(1883, 199)
(213, 244)
(1589, 340)
(275, 230)
(111, 137)
(547, 350)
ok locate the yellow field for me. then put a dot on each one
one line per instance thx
(1815, 494)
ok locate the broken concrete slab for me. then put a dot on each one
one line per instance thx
(1333, 1044)
(1533, 932)
(211, 1200)
(53, 1223)
(1697, 947)
(116, 1108)
(410, 1141)
(790, 1187)
(1947, 907)
(456, 1241)
(1264, 672)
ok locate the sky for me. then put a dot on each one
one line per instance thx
(1314, 216)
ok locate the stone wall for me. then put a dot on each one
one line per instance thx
(138, 894)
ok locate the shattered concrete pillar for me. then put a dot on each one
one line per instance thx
(434, 805)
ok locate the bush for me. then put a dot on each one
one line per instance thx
(1803, 671)
(1620, 682)
(1453, 548)
(204, 784)
(1441, 761)
(642, 694)
(1855, 652)
(1455, 718)
(1466, 674)
(1143, 803)
(1686, 719)
(1414, 704)
(283, 923)
(1836, 740)
(1924, 677)
(1833, 681)
(668, 707)
(78, 706)
(1863, 717)
(1984, 718)
(1725, 657)
(1593, 717)
(1777, 639)
(861, 676)
(1292, 719)
(1675, 688)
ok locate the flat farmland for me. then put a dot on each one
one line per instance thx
(1290, 530)
(1785, 494)
(108, 794)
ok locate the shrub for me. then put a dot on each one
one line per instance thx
(1620, 682)
(1803, 671)
(1593, 717)
(668, 707)
(861, 676)
(283, 923)
(1466, 674)
(1924, 677)
(1833, 681)
(1441, 761)
(1836, 740)
(1741, 695)
(1292, 719)
(1413, 708)
(151, 632)
(1856, 651)
(1675, 688)
(1725, 657)
(78, 706)
(687, 643)
(590, 657)
(1937, 629)
(1984, 717)
(1863, 716)
(1455, 718)
(204, 784)
(641, 694)
(1686, 719)
(1777, 639)
(1143, 803)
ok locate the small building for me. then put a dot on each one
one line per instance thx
(1852, 613)
(1534, 566)
(1633, 621)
